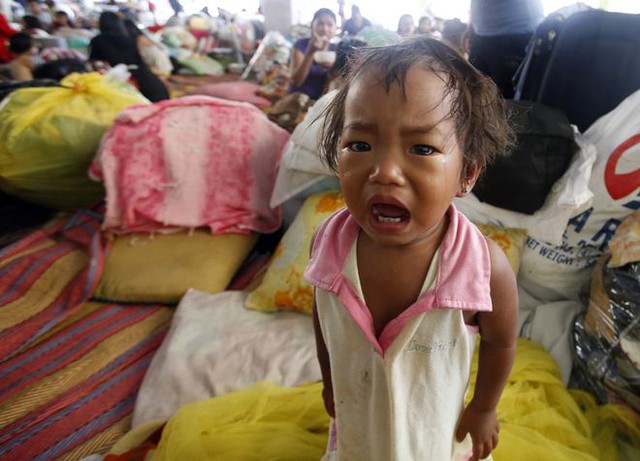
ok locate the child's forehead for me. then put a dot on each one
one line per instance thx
(417, 77)
(379, 73)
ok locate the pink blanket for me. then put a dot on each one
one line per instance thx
(190, 162)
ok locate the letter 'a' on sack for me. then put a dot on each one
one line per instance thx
(50, 135)
(521, 180)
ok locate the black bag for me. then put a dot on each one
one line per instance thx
(60, 68)
(528, 77)
(583, 63)
(520, 181)
(6, 88)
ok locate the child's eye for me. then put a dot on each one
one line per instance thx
(422, 149)
(358, 146)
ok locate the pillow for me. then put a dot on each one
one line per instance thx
(215, 347)
(235, 91)
(300, 166)
(510, 240)
(142, 267)
(283, 285)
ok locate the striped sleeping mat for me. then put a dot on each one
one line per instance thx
(70, 369)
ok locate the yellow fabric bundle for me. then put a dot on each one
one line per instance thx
(50, 135)
(540, 420)
(263, 422)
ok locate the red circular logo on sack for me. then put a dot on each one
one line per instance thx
(621, 185)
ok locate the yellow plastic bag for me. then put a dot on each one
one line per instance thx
(50, 135)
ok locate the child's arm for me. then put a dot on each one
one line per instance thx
(325, 368)
(498, 336)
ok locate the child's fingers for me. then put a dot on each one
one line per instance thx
(481, 450)
(461, 433)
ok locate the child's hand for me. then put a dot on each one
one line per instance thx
(327, 396)
(483, 427)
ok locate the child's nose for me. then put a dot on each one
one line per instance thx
(387, 170)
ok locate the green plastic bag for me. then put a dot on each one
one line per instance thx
(50, 135)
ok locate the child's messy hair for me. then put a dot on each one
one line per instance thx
(477, 108)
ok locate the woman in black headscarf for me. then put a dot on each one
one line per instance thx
(115, 46)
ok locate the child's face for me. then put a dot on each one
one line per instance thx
(400, 164)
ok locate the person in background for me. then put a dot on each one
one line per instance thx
(153, 54)
(500, 32)
(454, 32)
(404, 282)
(307, 75)
(406, 25)
(21, 67)
(6, 31)
(40, 10)
(54, 6)
(438, 26)
(425, 25)
(31, 25)
(64, 26)
(114, 46)
(61, 20)
(355, 23)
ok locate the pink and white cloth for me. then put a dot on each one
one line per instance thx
(190, 162)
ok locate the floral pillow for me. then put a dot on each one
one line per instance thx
(510, 240)
(283, 286)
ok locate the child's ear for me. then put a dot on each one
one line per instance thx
(469, 180)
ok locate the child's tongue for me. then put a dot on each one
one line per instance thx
(389, 211)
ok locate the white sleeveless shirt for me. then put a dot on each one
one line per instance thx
(399, 396)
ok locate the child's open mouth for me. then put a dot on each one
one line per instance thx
(389, 214)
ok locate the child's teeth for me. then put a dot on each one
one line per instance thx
(385, 219)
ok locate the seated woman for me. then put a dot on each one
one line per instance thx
(114, 46)
(307, 75)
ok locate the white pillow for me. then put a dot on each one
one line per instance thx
(216, 346)
(300, 166)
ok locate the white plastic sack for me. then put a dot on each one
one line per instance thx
(557, 272)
